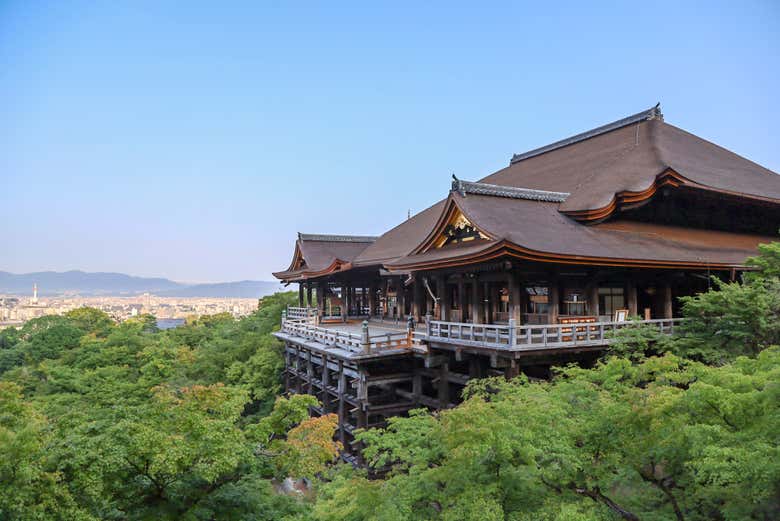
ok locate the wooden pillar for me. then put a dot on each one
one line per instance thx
(417, 299)
(515, 308)
(286, 368)
(298, 368)
(512, 371)
(444, 386)
(300, 294)
(321, 288)
(341, 389)
(462, 299)
(487, 291)
(554, 301)
(477, 302)
(631, 298)
(667, 301)
(308, 295)
(441, 295)
(325, 384)
(372, 300)
(309, 374)
(416, 386)
(401, 300)
(593, 300)
(344, 302)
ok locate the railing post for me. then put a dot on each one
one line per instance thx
(365, 341)
(512, 332)
(409, 329)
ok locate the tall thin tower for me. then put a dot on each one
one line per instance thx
(35, 293)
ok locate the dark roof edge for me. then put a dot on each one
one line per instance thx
(645, 115)
(336, 238)
(511, 192)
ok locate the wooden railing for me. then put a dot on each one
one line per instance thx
(362, 342)
(510, 336)
(297, 313)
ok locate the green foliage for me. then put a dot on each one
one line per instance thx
(28, 491)
(735, 319)
(643, 440)
(91, 321)
(730, 320)
(122, 421)
(637, 341)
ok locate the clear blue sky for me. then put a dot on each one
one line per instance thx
(192, 143)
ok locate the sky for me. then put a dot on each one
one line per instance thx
(192, 140)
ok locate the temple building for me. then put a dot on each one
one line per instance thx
(529, 267)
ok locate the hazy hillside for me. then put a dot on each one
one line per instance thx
(113, 284)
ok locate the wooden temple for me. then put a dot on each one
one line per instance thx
(530, 267)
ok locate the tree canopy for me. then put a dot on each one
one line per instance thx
(108, 421)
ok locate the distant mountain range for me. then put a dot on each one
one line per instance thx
(52, 283)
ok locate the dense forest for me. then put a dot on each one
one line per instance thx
(100, 420)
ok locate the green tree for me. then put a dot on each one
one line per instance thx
(91, 320)
(28, 489)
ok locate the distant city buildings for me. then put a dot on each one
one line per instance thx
(15, 310)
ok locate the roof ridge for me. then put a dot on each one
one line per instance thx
(336, 238)
(512, 192)
(645, 115)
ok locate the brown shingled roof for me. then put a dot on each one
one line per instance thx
(631, 158)
(317, 255)
(536, 230)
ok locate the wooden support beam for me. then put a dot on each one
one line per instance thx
(632, 298)
(422, 399)
(443, 387)
(667, 296)
(388, 378)
(401, 298)
(477, 302)
(308, 294)
(372, 300)
(443, 298)
(300, 294)
(417, 299)
(342, 385)
(435, 360)
(325, 384)
(593, 299)
(462, 299)
(453, 377)
(512, 371)
(515, 306)
(416, 387)
(554, 300)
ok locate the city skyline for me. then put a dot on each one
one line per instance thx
(193, 144)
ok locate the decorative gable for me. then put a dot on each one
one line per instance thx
(458, 230)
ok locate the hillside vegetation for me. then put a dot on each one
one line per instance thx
(100, 420)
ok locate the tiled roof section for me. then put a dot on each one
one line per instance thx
(336, 238)
(545, 233)
(645, 115)
(467, 187)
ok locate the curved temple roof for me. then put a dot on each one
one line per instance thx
(537, 208)
(317, 255)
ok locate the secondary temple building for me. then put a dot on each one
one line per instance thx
(529, 267)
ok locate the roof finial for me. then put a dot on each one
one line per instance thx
(655, 112)
(457, 185)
